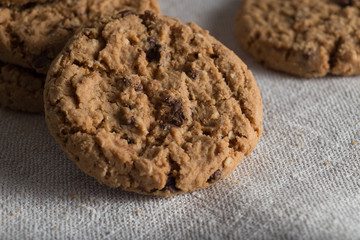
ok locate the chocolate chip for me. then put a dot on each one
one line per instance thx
(215, 176)
(126, 13)
(176, 115)
(345, 3)
(129, 121)
(171, 185)
(42, 61)
(130, 141)
(28, 6)
(153, 53)
(192, 73)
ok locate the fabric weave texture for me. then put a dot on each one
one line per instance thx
(301, 182)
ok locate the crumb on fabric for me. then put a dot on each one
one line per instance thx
(299, 144)
(76, 197)
(54, 229)
(138, 211)
(354, 143)
(292, 160)
(326, 163)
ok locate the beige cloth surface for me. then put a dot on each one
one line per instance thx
(301, 182)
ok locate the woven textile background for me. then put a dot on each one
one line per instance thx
(301, 182)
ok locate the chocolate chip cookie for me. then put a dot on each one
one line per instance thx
(152, 105)
(33, 34)
(302, 37)
(21, 89)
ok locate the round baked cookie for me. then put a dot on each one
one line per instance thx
(21, 89)
(151, 105)
(32, 35)
(19, 2)
(303, 37)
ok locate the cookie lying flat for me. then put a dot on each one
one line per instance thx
(32, 35)
(302, 37)
(21, 89)
(18, 2)
(151, 105)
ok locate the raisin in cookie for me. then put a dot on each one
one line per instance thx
(32, 35)
(21, 89)
(151, 105)
(302, 37)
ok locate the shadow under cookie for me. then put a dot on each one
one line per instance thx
(21, 89)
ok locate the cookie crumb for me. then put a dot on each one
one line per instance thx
(41, 204)
(326, 163)
(292, 160)
(138, 211)
(228, 162)
(355, 123)
(76, 197)
(299, 144)
(354, 143)
(54, 229)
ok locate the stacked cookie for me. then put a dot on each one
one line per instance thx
(138, 101)
(33, 32)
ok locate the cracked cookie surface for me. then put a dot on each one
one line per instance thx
(32, 35)
(21, 89)
(302, 37)
(152, 105)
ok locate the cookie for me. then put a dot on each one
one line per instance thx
(151, 105)
(21, 89)
(302, 37)
(32, 35)
(19, 2)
